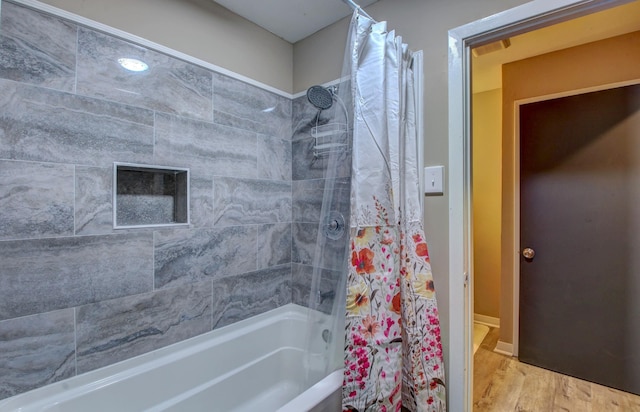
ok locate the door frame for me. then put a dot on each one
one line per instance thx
(521, 19)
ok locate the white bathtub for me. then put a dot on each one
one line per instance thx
(253, 365)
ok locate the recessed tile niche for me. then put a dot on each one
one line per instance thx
(150, 196)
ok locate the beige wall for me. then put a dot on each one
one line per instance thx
(424, 25)
(487, 200)
(200, 28)
(594, 64)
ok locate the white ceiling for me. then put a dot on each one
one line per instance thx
(293, 20)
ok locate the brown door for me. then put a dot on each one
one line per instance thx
(580, 215)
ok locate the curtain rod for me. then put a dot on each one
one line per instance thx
(352, 4)
(355, 6)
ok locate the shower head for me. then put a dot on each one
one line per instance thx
(320, 97)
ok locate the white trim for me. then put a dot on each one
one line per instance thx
(458, 390)
(504, 348)
(486, 320)
(515, 338)
(569, 93)
(521, 19)
(327, 84)
(418, 69)
(36, 5)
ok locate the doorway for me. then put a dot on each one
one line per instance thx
(522, 19)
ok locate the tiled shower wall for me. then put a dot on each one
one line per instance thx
(75, 294)
(310, 175)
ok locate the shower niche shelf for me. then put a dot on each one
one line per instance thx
(149, 196)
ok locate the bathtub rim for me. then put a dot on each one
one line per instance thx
(313, 396)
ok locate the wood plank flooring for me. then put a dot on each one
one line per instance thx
(502, 384)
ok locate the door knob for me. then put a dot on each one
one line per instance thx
(528, 253)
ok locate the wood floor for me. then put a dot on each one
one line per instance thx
(501, 383)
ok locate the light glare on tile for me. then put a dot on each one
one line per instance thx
(133, 65)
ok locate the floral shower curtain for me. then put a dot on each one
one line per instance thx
(393, 352)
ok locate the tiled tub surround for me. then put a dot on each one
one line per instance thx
(75, 294)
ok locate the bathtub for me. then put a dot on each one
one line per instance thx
(252, 365)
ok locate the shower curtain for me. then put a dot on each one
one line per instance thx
(393, 352)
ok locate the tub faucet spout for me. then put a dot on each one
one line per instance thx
(322, 296)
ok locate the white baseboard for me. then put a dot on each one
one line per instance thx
(486, 320)
(504, 348)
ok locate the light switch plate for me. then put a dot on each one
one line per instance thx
(433, 180)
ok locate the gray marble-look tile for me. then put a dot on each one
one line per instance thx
(327, 284)
(309, 249)
(248, 201)
(274, 158)
(207, 149)
(186, 256)
(307, 199)
(37, 48)
(36, 200)
(304, 117)
(169, 85)
(305, 238)
(248, 107)
(239, 297)
(201, 202)
(309, 195)
(305, 165)
(36, 350)
(46, 125)
(47, 274)
(274, 245)
(118, 329)
(94, 197)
